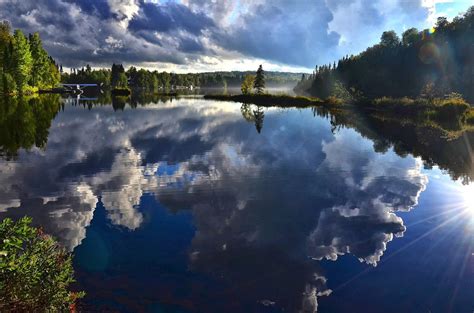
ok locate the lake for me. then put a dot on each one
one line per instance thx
(190, 205)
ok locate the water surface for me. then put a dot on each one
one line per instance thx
(188, 205)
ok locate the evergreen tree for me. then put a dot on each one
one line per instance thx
(22, 60)
(5, 38)
(118, 78)
(259, 82)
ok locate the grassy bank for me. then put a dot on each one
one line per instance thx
(451, 113)
(452, 109)
(276, 100)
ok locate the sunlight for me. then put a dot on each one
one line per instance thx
(468, 200)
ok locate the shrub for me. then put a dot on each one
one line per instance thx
(35, 271)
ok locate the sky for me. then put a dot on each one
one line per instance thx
(217, 35)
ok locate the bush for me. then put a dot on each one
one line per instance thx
(35, 271)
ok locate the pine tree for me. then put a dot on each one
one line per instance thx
(118, 77)
(5, 39)
(259, 82)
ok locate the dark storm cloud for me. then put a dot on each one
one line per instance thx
(297, 33)
(168, 18)
(100, 8)
(101, 32)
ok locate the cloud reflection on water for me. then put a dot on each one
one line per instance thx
(264, 205)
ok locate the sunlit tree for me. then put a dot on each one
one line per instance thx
(247, 84)
(22, 60)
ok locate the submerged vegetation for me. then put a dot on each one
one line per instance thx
(35, 272)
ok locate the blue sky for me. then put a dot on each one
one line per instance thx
(209, 35)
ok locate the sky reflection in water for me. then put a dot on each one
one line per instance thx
(184, 207)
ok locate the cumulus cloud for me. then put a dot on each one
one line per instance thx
(205, 35)
(375, 187)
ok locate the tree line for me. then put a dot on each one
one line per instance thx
(25, 66)
(435, 61)
(154, 81)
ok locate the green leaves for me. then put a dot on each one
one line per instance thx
(22, 59)
(34, 270)
(24, 64)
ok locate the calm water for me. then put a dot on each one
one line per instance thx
(189, 205)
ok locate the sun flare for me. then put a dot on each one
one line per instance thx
(468, 200)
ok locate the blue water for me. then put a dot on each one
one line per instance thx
(184, 206)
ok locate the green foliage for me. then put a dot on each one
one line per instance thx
(247, 84)
(52, 77)
(22, 60)
(8, 84)
(35, 271)
(162, 82)
(441, 58)
(41, 64)
(118, 78)
(5, 40)
(259, 82)
(26, 62)
(100, 77)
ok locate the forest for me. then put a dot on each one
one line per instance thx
(433, 62)
(25, 66)
(153, 81)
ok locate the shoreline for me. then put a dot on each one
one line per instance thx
(268, 100)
